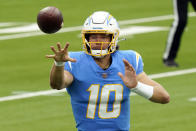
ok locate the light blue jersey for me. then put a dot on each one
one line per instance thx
(100, 101)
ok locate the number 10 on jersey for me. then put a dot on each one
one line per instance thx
(104, 99)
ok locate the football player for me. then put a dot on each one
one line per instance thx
(100, 79)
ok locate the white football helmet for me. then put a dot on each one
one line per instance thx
(100, 22)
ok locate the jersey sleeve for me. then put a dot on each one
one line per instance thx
(68, 66)
(139, 64)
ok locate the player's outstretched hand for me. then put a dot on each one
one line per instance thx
(61, 55)
(129, 78)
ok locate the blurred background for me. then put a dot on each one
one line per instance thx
(27, 102)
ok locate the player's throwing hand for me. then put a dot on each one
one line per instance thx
(61, 55)
(129, 79)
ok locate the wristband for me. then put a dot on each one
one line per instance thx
(59, 63)
(143, 90)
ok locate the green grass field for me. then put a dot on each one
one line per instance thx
(24, 68)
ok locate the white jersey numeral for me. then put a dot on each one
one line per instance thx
(104, 99)
(92, 102)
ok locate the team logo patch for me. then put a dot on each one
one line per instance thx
(104, 75)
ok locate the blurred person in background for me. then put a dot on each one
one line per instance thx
(176, 31)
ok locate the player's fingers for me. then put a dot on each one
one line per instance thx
(71, 59)
(50, 56)
(59, 46)
(131, 67)
(53, 49)
(66, 46)
(121, 75)
(127, 64)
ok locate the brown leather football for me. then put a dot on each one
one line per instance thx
(50, 20)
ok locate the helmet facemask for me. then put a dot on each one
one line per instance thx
(102, 49)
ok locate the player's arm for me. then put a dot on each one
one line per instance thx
(60, 78)
(143, 86)
(160, 95)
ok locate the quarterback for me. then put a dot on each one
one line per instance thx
(100, 79)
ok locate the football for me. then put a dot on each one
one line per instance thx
(50, 20)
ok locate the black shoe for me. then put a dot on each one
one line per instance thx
(170, 63)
